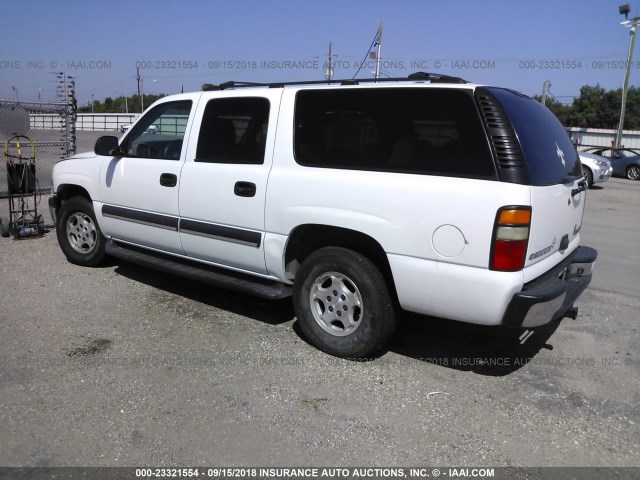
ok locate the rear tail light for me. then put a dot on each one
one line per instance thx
(510, 239)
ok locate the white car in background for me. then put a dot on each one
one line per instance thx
(596, 168)
(152, 129)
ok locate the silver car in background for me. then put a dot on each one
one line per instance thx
(625, 161)
(596, 168)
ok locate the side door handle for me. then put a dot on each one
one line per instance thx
(168, 180)
(244, 189)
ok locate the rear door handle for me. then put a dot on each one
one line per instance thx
(168, 180)
(244, 189)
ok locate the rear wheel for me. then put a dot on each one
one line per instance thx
(78, 233)
(633, 172)
(343, 303)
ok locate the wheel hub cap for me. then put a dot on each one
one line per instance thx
(336, 304)
(81, 232)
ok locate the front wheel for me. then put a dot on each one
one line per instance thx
(633, 172)
(588, 176)
(343, 303)
(78, 233)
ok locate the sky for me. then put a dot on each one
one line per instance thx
(182, 44)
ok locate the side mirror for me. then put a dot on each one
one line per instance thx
(107, 146)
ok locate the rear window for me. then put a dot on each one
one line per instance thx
(412, 130)
(551, 157)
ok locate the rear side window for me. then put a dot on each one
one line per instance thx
(550, 156)
(234, 130)
(412, 130)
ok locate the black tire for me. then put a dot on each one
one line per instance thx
(343, 303)
(588, 176)
(78, 233)
(4, 227)
(633, 172)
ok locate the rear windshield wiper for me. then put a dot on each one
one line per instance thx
(582, 186)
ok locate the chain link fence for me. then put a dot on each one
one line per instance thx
(49, 125)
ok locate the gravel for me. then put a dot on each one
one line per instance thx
(123, 366)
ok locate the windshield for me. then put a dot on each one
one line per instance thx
(551, 157)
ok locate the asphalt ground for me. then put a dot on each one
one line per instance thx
(124, 366)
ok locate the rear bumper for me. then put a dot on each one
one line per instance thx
(550, 296)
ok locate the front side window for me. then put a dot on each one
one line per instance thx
(234, 130)
(160, 132)
(414, 130)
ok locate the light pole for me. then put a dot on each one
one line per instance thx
(633, 23)
(545, 90)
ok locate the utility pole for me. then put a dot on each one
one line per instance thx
(328, 73)
(378, 51)
(66, 92)
(634, 22)
(545, 89)
(140, 93)
(70, 120)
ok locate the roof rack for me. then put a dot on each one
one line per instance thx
(417, 76)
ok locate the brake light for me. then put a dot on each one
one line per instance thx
(510, 238)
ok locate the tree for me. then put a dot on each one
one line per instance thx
(563, 112)
(632, 111)
(117, 105)
(598, 108)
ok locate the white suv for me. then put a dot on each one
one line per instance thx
(431, 195)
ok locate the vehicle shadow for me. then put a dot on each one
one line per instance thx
(485, 350)
(272, 312)
(490, 351)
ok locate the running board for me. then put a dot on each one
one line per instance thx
(200, 272)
